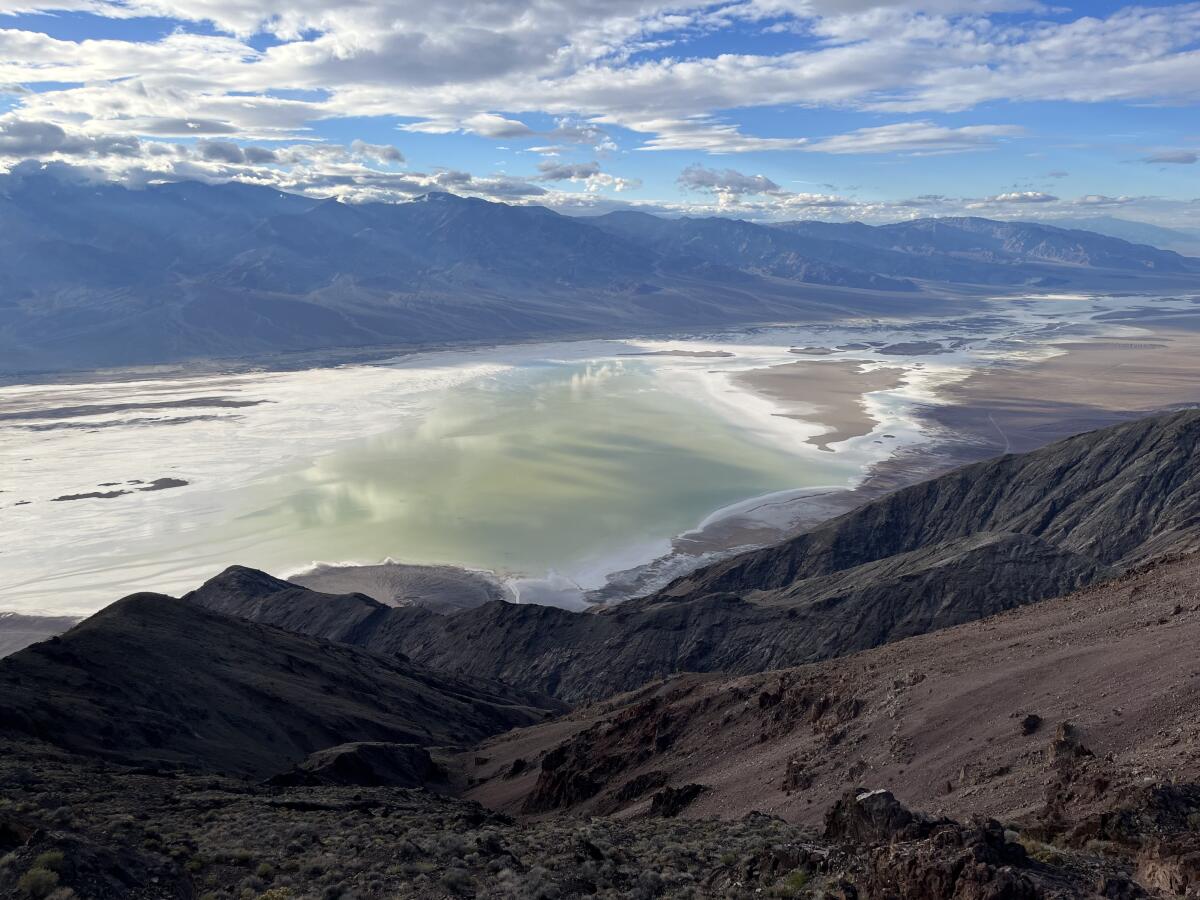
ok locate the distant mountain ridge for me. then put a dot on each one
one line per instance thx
(18, 631)
(985, 538)
(95, 274)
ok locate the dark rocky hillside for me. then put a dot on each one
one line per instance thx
(977, 541)
(1116, 497)
(157, 681)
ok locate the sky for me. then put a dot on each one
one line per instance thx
(764, 109)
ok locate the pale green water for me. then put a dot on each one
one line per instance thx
(549, 466)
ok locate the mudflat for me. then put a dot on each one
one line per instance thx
(831, 392)
(1017, 406)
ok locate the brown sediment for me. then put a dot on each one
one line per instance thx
(826, 392)
(1013, 407)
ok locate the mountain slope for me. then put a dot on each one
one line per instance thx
(763, 250)
(152, 679)
(942, 720)
(980, 540)
(985, 248)
(98, 275)
(95, 275)
(1119, 496)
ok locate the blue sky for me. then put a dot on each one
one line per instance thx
(759, 108)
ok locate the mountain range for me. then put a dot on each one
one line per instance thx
(100, 275)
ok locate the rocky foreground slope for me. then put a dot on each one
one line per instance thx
(1070, 725)
(107, 833)
(985, 538)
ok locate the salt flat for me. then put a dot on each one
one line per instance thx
(553, 465)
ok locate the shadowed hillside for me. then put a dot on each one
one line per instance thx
(154, 680)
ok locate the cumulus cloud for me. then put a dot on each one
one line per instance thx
(229, 152)
(38, 139)
(551, 171)
(1020, 198)
(588, 174)
(383, 153)
(725, 181)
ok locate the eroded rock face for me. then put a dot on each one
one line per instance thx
(582, 767)
(671, 801)
(911, 856)
(1171, 866)
(1158, 827)
(873, 817)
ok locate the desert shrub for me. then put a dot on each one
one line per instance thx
(51, 859)
(38, 882)
(1043, 853)
(793, 884)
(457, 881)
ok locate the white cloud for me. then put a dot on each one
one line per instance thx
(492, 68)
(229, 152)
(1104, 200)
(490, 125)
(382, 153)
(23, 138)
(451, 67)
